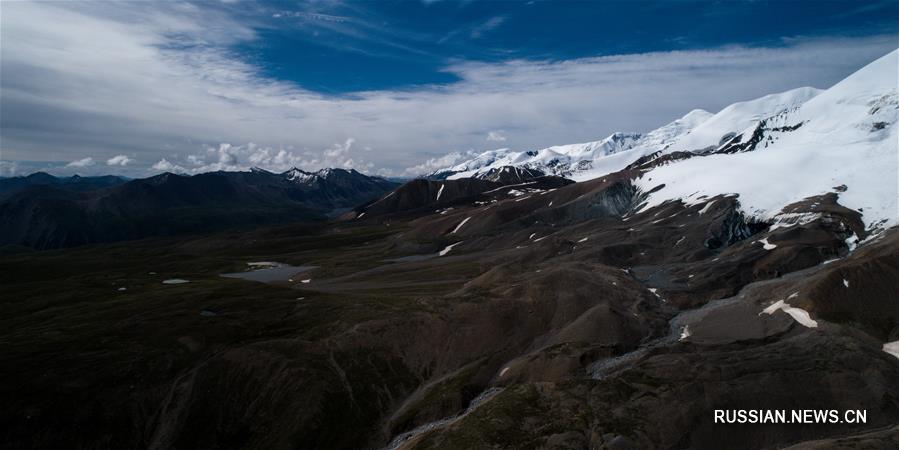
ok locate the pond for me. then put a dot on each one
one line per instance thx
(267, 272)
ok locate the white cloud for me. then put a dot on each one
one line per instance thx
(139, 77)
(119, 160)
(165, 166)
(83, 162)
(495, 136)
(229, 157)
(439, 162)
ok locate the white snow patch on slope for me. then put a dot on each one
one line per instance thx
(448, 248)
(800, 315)
(175, 281)
(439, 191)
(706, 208)
(845, 282)
(766, 245)
(892, 348)
(460, 225)
(685, 333)
(263, 264)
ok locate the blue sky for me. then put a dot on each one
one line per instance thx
(335, 47)
(391, 87)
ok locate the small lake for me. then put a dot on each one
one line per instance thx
(269, 272)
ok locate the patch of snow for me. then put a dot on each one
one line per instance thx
(679, 240)
(306, 281)
(123, 289)
(845, 282)
(460, 225)
(263, 264)
(892, 348)
(790, 219)
(852, 242)
(503, 372)
(766, 245)
(799, 315)
(360, 215)
(175, 281)
(685, 333)
(584, 239)
(707, 207)
(440, 191)
(448, 248)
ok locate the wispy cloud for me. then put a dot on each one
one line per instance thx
(311, 16)
(158, 83)
(488, 25)
(495, 136)
(432, 164)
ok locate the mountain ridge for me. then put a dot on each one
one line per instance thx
(52, 215)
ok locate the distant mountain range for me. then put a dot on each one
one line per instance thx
(43, 211)
(73, 183)
(697, 130)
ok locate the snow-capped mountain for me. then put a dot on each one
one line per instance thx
(717, 129)
(301, 176)
(697, 130)
(842, 140)
(771, 151)
(561, 160)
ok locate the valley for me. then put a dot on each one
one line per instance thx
(571, 317)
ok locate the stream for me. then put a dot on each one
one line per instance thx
(403, 438)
